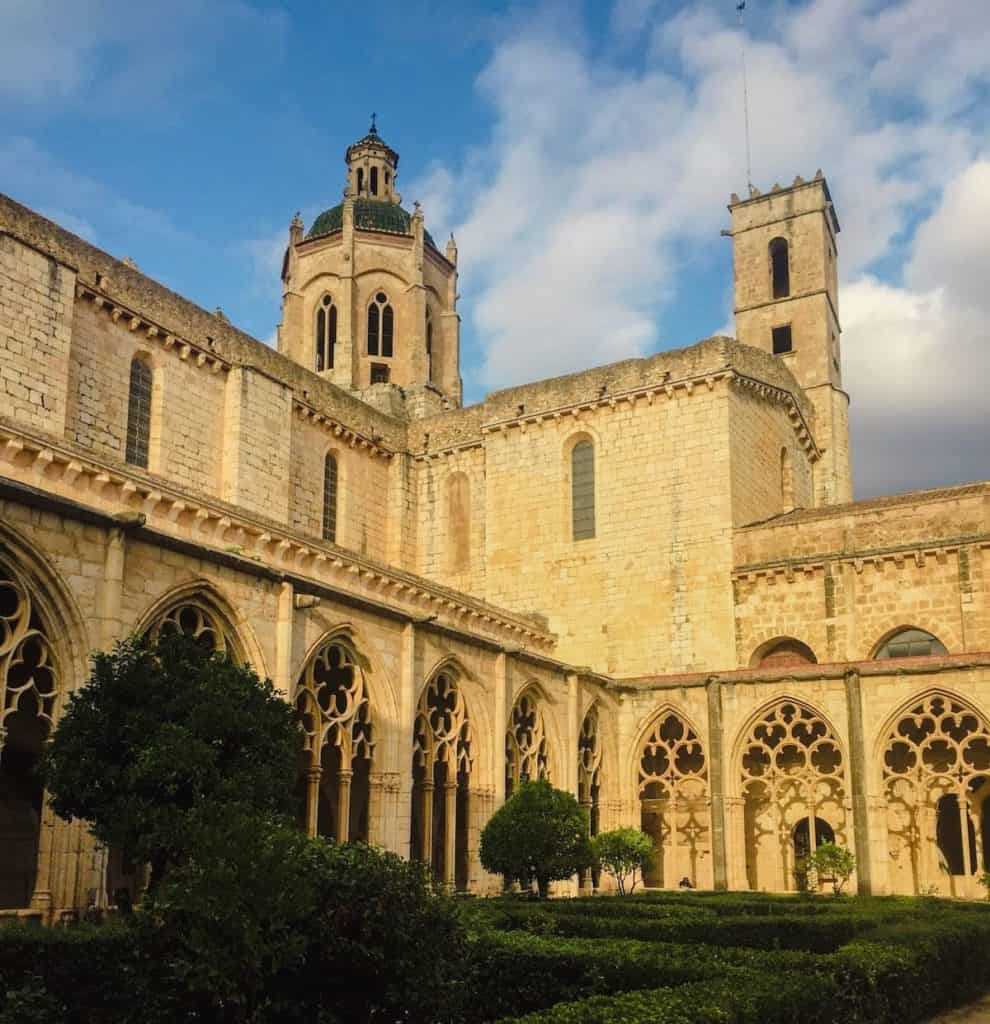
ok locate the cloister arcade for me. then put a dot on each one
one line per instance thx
(788, 773)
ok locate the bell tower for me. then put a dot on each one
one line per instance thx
(369, 301)
(785, 261)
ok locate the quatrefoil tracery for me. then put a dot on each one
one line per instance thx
(194, 620)
(442, 732)
(334, 707)
(672, 760)
(29, 672)
(589, 755)
(527, 749)
(791, 748)
(939, 746)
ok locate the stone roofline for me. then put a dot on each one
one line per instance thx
(313, 242)
(696, 366)
(927, 665)
(865, 505)
(67, 470)
(799, 184)
(167, 318)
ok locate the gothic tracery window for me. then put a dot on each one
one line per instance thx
(589, 779)
(673, 796)
(196, 620)
(29, 686)
(936, 772)
(791, 771)
(442, 762)
(527, 750)
(326, 333)
(381, 326)
(334, 708)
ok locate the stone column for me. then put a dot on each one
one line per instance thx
(716, 784)
(429, 787)
(858, 776)
(407, 716)
(376, 801)
(41, 898)
(499, 718)
(735, 808)
(313, 776)
(344, 777)
(283, 640)
(450, 833)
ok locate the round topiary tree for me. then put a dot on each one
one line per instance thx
(162, 734)
(539, 834)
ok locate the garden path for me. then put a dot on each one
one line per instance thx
(974, 1013)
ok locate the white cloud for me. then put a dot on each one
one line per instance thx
(599, 176)
(116, 54)
(917, 357)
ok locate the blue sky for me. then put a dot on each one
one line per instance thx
(582, 153)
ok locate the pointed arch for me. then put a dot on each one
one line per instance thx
(934, 758)
(671, 773)
(325, 333)
(789, 768)
(443, 762)
(529, 743)
(201, 610)
(40, 662)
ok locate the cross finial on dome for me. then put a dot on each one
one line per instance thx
(373, 130)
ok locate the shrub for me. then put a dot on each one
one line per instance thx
(623, 853)
(263, 924)
(831, 861)
(539, 834)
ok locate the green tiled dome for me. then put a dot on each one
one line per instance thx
(369, 215)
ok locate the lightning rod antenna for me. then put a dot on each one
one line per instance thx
(740, 9)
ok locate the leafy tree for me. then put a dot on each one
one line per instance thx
(540, 833)
(163, 735)
(263, 924)
(623, 853)
(831, 861)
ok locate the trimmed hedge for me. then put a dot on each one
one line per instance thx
(515, 972)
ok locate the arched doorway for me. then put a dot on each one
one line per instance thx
(441, 782)
(806, 841)
(335, 711)
(29, 683)
(791, 770)
(936, 768)
(673, 801)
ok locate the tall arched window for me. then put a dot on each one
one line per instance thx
(330, 499)
(583, 490)
(139, 414)
(374, 181)
(326, 333)
(527, 749)
(429, 345)
(780, 270)
(360, 180)
(380, 326)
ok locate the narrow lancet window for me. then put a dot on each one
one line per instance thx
(381, 326)
(330, 499)
(326, 334)
(139, 414)
(583, 490)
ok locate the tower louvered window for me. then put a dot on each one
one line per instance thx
(326, 334)
(381, 326)
(583, 490)
(139, 414)
(330, 499)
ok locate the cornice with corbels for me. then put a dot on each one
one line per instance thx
(153, 332)
(109, 488)
(877, 558)
(665, 389)
(330, 424)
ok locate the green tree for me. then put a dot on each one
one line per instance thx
(834, 862)
(540, 833)
(161, 736)
(263, 924)
(623, 853)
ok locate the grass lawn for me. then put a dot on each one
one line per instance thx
(734, 958)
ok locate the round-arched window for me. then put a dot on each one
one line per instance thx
(910, 643)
